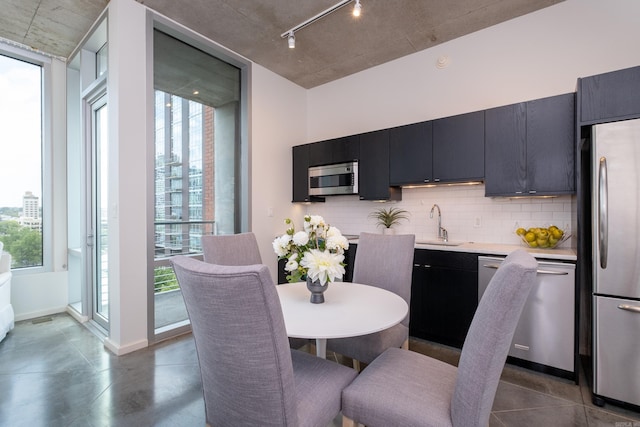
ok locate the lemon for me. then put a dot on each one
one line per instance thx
(543, 243)
(557, 233)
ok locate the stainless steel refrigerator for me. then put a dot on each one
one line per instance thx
(616, 260)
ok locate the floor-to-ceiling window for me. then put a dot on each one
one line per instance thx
(197, 174)
(21, 160)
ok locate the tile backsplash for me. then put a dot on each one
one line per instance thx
(466, 214)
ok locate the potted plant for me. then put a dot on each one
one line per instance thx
(387, 218)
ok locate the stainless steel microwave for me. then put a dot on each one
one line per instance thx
(340, 178)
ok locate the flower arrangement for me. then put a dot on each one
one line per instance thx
(316, 252)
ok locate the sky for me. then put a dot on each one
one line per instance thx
(20, 131)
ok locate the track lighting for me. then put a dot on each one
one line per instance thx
(357, 8)
(290, 34)
(292, 40)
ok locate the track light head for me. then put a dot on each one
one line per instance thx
(357, 8)
(292, 40)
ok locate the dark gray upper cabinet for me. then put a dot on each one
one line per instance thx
(336, 150)
(373, 167)
(458, 148)
(506, 150)
(300, 173)
(410, 154)
(551, 145)
(529, 148)
(609, 96)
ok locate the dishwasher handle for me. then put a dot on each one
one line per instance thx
(538, 271)
(632, 308)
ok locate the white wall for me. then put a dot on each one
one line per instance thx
(537, 55)
(129, 113)
(278, 121)
(534, 56)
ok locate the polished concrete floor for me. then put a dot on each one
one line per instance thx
(54, 372)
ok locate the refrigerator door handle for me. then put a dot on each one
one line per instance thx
(603, 232)
(632, 308)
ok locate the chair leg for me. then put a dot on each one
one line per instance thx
(405, 344)
(348, 422)
(356, 365)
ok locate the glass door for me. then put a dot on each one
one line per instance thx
(98, 235)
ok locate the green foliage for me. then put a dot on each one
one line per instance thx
(23, 243)
(164, 279)
(389, 217)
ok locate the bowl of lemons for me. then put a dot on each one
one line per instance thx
(543, 237)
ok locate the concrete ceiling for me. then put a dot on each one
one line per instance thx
(333, 47)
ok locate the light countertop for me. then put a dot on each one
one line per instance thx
(500, 249)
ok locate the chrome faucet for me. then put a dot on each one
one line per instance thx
(442, 232)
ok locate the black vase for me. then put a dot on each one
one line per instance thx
(317, 290)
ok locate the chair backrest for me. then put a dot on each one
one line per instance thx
(386, 261)
(487, 343)
(241, 343)
(231, 249)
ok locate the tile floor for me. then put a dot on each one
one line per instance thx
(57, 373)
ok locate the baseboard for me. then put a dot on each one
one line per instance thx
(77, 316)
(122, 350)
(35, 314)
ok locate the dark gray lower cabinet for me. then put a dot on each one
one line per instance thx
(444, 295)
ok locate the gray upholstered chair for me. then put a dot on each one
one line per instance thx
(404, 388)
(231, 249)
(250, 376)
(385, 261)
(237, 249)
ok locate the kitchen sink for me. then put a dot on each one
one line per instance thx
(438, 243)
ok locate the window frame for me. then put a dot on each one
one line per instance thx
(46, 153)
(159, 22)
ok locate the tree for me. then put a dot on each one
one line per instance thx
(23, 243)
(164, 279)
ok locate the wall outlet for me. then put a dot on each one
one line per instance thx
(477, 222)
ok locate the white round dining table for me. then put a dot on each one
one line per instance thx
(350, 309)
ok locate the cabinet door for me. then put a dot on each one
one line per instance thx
(320, 153)
(609, 96)
(551, 145)
(410, 153)
(373, 167)
(444, 295)
(505, 150)
(346, 149)
(458, 148)
(338, 150)
(300, 173)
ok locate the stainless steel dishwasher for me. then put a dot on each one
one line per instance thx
(545, 334)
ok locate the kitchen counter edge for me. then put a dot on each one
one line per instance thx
(500, 249)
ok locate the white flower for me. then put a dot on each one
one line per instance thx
(333, 231)
(337, 243)
(292, 265)
(323, 265)
(314, 222)
(300, 238)
(281, 245)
